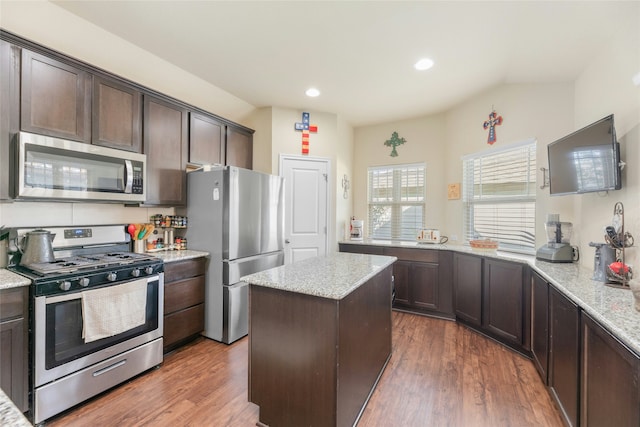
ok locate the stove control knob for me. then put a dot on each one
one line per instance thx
(65, 285)
(112, 276)
(84, 282)
(135, 272)
(148, 270)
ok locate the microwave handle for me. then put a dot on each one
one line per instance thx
(128, 176)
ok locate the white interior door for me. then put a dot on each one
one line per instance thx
(306, 195)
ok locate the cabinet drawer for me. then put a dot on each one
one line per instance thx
(362, 249)
(184, 269)
(183, 324)
(13, 302)
(409, 254)
(183, 293)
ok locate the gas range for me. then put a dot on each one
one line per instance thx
(82, 264)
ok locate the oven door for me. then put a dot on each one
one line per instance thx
(59, 347)
(52, 168)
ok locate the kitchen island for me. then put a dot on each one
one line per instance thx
(319, 338)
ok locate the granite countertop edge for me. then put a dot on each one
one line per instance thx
(333, 276)
(181, 255)
(612, 307)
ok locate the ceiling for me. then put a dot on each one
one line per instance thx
(360, 54)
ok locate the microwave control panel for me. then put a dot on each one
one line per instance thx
(138, 177)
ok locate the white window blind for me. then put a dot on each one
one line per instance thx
(499, 196)
(396, 196)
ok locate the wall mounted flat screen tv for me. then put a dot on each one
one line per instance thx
(588, 160)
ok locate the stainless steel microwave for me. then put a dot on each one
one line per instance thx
(51, 168)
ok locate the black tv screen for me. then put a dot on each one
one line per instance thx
(588, 160)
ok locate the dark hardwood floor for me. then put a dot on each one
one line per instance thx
(440, 374)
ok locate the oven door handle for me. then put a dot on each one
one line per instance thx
(63, 298)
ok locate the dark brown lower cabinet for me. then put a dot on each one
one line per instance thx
(564, 354)
(184, 283)
(314, 360)
(505, 311)
(610, 386)
(422, 278)
(467, 288)
(540, 325)
(14, 327)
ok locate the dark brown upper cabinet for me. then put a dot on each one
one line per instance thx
(206, 140)
(56, 98)
(9, 112)
(239, 148)
(165, 144)
(116, 115)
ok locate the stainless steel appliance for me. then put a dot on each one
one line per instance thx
(52, 168)
(237, 215)
(66, 366)
(37, 247)
(604, 256)
(558, 247)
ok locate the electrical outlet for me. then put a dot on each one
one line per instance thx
(454, 237)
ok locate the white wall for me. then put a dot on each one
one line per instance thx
(426, 142)
(540, 111)
(333, 141)
(606, 87)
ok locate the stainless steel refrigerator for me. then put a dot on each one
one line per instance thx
(237, 215)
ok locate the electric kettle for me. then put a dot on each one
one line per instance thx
(37, 247)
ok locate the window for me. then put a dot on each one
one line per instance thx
(499, 196)
(396, 201)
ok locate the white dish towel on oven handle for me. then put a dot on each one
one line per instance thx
(112, 310)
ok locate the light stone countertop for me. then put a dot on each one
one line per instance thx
(612, 307)
(9, 279)
(332, 276)
(174, 256)
(9, 414)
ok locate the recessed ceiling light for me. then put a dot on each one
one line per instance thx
(423, 64)
(312, 92)
(636, 79)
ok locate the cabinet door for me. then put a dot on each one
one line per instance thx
(564, 354)
(56, 98)
(117, 115)
(165, 144)
(206, 140)
(9, 111)
(13, 345)
(12, 367)
(423, 286)
(401, 278)
(610, 384)
(467, 284)
(239, 148)
(540, 325)
(502, 302)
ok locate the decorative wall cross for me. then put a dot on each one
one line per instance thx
(305, 127)
(394, 142)
(494, 120)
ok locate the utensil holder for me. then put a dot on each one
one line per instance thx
(140, 246)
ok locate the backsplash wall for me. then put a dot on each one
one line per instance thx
(42, 214)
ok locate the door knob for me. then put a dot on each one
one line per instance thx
(287, 241)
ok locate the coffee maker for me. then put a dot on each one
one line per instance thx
(557, 248)
(357, 229)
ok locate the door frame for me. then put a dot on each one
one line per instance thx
(327, 161)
